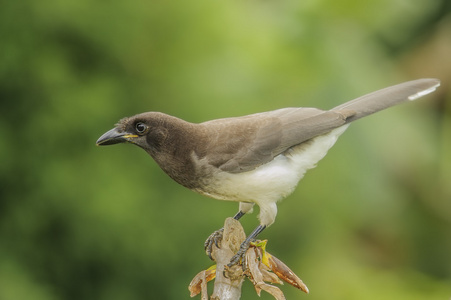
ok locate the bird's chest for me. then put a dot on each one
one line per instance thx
(179, 167)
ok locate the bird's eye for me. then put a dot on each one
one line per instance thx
(140, 127)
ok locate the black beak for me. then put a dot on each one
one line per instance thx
(113, 136)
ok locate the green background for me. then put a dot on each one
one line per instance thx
(372, 221)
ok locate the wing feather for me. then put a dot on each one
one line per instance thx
(242, 144)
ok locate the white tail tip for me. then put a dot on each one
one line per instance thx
(423, 92)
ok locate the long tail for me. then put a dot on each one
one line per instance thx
(382, 99)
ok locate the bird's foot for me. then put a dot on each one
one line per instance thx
(239, 257)
(214, 239)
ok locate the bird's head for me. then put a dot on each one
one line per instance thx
(146, 130)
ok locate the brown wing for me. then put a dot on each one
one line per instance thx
(241, 144)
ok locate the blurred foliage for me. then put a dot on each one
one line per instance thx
(373, 221)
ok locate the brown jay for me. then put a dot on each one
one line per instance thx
(254, 159)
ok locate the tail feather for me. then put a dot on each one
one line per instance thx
(382, 99)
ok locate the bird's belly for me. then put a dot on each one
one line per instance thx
(274, 180)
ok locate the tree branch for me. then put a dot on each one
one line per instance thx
(259, 266)
(228, 287)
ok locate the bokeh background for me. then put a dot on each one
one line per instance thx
(372, 221)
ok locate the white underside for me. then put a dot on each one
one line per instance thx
(271, 182)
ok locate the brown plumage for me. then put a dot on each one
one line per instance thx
(254, 159)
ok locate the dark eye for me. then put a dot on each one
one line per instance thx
(140, 127)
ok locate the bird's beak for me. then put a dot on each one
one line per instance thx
(113, 136)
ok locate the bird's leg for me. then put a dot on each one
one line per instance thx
(216, 237)
(238, 215)
(245, 245)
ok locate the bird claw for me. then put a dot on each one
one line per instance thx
(214, 239)
(239, 257)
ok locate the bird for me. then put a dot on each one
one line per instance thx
(253, 159)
